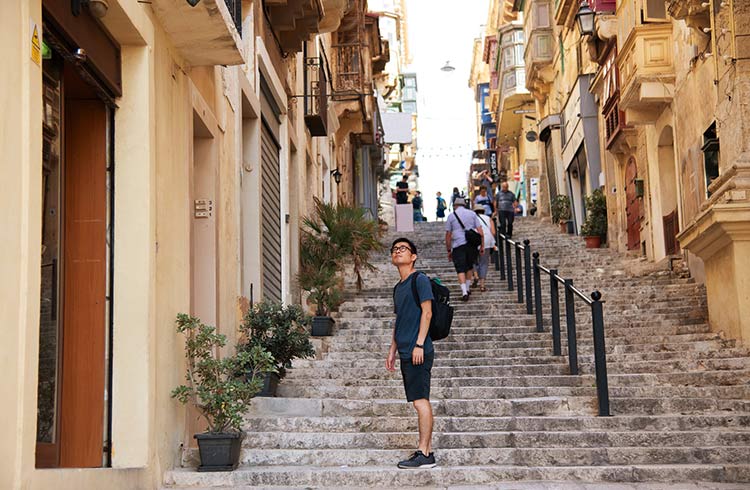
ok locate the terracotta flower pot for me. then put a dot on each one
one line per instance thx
(563, 226)
(593, 241)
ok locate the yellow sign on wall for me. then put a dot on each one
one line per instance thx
(36, 43)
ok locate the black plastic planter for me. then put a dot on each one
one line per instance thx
(571, 228)
(322, 326)
(219, 451)
(270, 384)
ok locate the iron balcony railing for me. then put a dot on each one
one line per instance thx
(515, 258)
(316, 97)
(235, 10)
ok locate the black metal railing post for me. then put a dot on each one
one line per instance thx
(600, 355)
(509, 263)
(538, 294)
(519, 273)
(555, 302)
(499, 254)
(570, 320)
(527, 275)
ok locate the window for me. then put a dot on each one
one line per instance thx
(710, 156)
(509, 80)
(541, 15)
(654, 10)
(508, 58)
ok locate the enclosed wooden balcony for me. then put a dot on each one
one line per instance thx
(316, 97)
(539, 51)
(207, 34)
(646, 66)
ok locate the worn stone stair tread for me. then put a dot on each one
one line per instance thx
(388, 476)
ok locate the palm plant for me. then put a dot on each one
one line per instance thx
(317, 274)
(348, 231)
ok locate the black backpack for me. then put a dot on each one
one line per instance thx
(442, 311)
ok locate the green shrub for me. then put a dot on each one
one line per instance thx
(596, 215)
(220, 388)
(281, 330)
(560, 209)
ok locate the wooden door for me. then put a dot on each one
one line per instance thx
(671, 228)
(84, 291)
(632, 206)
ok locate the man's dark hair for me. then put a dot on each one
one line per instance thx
(406, 241)
(404, 177)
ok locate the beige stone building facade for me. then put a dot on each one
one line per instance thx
(158, 158)
(647, 104)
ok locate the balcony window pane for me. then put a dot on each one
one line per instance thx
(508, 57)
(519, 53)
(509, 80)
(654, 10)
(541, 15)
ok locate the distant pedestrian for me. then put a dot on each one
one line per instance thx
(440, 207)
(484, 200)
(460, 251)
(486, 181)
(402, 190)
(506, 203)
(412, 342)
(483, 260)
(418, 205)
(455, 196)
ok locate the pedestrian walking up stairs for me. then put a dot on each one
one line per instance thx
(507, 411)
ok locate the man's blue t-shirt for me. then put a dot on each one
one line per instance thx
(409, 314)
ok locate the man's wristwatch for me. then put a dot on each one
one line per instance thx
(420, 346)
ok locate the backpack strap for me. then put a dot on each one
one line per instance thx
(394, 298)
(414, 289)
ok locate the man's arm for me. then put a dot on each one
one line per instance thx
(448, 243)
(417, 355)
(390, 360)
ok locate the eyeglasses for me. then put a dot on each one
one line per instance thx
(400, 249)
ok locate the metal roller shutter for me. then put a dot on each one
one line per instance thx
(270, 214)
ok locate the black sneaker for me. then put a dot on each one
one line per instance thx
(418, 460)
(465, 297)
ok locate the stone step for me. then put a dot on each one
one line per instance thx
(445, 423)
(387, 476)
(532, 457)
(279, 407)
(493, 439)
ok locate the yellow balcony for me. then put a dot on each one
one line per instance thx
(646, 65)
(207, 34)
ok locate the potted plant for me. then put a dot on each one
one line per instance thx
(216, 389)
(282, 330)
(594, 228)
(318, 276)
(561, 212)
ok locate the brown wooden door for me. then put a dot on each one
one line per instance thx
(671, 228)
(83, 332)
(632, 206)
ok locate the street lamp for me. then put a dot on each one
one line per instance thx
(585, 19)
(448, 67)
(336, 175)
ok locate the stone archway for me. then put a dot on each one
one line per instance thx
(668, 191)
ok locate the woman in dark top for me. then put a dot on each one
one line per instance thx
(455, 195)
(402, 191)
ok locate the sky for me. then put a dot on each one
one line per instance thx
(440, 31)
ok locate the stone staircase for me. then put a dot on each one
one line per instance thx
(507, 411)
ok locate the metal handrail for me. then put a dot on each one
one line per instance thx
(528, 273)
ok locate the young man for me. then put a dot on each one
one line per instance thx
(441, 206)
(412, 343)
(506, 204)
(460, 252)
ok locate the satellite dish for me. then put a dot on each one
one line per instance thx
(531, 136)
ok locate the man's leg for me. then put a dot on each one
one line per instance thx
(424, 416)
(511, 217)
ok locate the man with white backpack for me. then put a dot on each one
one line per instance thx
(488, 234)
